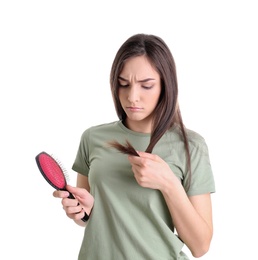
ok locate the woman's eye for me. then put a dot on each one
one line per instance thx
(147, 87)
(123, 85)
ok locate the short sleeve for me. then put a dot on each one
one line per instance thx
(81, 163)
(202, 179)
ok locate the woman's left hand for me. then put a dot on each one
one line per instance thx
(150, 171)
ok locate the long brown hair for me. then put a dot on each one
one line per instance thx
(167, 112)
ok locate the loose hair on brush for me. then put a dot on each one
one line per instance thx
(167, 112)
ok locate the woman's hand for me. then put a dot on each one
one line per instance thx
(150, 171)
(75, 208)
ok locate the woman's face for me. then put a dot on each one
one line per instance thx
(139, 91)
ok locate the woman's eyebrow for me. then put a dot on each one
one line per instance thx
(141, 81)
(119, 77)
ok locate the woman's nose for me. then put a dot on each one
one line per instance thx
(133, 94)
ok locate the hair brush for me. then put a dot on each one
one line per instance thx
(54, 174)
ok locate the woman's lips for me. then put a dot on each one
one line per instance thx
(134, 109)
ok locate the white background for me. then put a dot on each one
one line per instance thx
(55, 59)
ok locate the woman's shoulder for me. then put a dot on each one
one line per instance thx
(194, 138)
(101, 128)
(196, 141)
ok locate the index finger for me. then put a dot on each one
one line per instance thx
(79, 192)
(60, 194)
(151, 156)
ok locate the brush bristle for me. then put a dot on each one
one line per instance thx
(127, 148)
(62, 167)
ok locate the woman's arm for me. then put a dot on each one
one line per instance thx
(192, 216)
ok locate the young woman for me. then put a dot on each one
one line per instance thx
(148, 204)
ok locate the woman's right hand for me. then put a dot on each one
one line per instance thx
(76, 208)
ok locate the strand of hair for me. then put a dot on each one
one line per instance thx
(127, 148)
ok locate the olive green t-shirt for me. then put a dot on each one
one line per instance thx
(129, 222)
